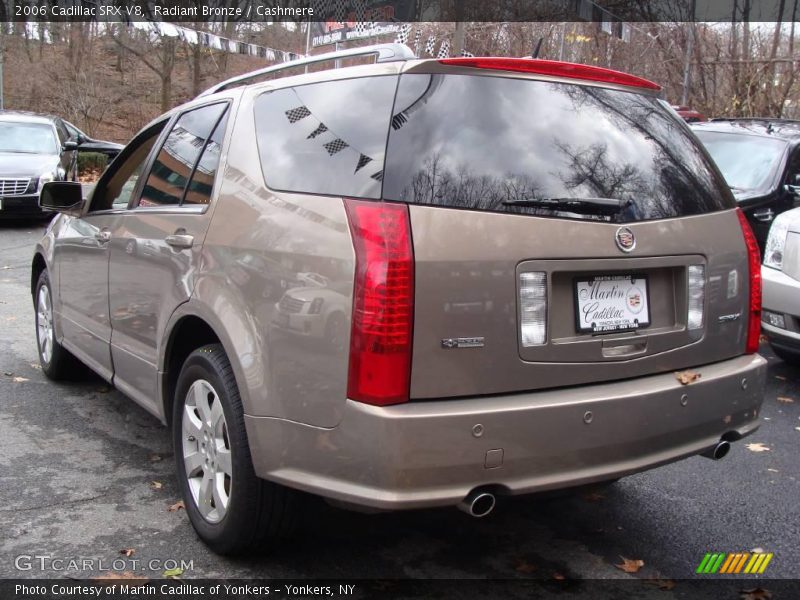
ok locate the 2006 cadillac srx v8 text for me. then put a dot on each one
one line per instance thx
(410, 283)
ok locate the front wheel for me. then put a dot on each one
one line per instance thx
(56, 361)
(232, 510)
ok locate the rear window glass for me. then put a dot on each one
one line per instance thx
(550, 149)
(326, 138)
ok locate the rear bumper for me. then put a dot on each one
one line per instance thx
(22, 207)
(429, 453)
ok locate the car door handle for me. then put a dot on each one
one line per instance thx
(180, 240)
(765, 216)
(103, 236)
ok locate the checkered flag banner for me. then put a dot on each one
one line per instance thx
(444, 49)
(362, 24)
(466, 54)
(403, 34)
(417, 42)
(430, 45)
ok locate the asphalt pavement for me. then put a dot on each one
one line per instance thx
(85, 473)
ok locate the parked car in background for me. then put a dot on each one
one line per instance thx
(520, 255)
(760, 159)
(35, 149)
(88, 144)
(689, 115)
(781, 277)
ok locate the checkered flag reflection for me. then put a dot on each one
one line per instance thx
(430, 45)
(403, 34)
(444, 49)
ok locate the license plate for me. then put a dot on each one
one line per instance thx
(611, 303)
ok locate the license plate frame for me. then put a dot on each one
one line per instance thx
(635, 288)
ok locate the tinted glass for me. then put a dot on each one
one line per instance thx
(27, 138)
(202, 182)
(746, 161)
(511, 145)
(326, 138)
(179, 155)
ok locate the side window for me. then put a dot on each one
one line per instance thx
(185, 166)
(116, 188)
(326, 138)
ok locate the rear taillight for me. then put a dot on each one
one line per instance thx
(383, 302)
(697, 296)
(533, 308)
(754, 267)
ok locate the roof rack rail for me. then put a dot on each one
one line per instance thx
(383, 52)
(764, 119)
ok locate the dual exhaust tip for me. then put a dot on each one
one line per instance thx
(719, 451)
(477, 503)
(480, 503)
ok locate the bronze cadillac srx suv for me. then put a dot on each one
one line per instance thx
(409, 283)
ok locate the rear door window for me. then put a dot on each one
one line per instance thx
(326, 138)
(544, 148)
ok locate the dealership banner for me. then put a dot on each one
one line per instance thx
(387, 13)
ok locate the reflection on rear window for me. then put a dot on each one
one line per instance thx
(746, 161)
(502, 144)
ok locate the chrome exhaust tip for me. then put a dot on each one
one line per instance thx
(719, 451)
(477, 504)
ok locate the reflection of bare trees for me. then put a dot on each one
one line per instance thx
(437, 184)
(589, 166)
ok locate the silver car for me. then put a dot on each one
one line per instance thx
(527, 275)
(781, 277)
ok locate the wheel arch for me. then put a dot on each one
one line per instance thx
(38, 264)
(190, 327)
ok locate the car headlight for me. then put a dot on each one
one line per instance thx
(47, 177)
(773, 252)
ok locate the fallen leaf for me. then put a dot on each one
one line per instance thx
(173, 573)
(9, 373)
(757, 447)
(687, 377)
(20, 379)
(156, 485)
(662, 584)
(558, 576)
(36, 366)
(755, 594)
(758, 550)
(155, 458)
(781, 377)
(797, 428)
(630, 565)
(115, 575)
(773, 471)
(177, 506)
(785, 400)
(127, 552)
(523, 566)
(762, 338)
(103, 390)
(727, 419)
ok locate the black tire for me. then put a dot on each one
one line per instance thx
(786, 356)
(61, 364)
(259, 513)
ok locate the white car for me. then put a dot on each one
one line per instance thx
(781, 279)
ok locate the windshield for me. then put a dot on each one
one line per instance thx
(746, 161)
(27, 138)
(547, 149)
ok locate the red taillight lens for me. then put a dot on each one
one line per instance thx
(555, 68)
(383, 302)
(754, 266)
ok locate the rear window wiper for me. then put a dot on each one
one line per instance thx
(582, 206)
